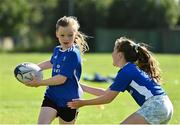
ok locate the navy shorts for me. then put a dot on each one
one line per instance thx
(65, 113)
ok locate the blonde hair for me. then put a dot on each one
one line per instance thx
(80, 39)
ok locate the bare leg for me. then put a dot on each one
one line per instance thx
(47, 115)
(134, 119)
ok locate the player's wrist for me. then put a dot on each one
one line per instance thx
(43, 83)
(84, 103)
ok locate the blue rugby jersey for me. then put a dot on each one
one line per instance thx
(66, 63)
(137, 83)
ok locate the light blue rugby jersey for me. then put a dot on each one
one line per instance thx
(137, 83)
(66, 63)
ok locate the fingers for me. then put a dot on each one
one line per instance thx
(30, 84)
(71, 105)
(33, 83)
(74, 104)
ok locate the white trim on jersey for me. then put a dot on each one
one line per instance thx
(79, 86)
(141, 89)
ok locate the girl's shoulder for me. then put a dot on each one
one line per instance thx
(129, 66)
(57, 48)
(74, 49)
(129, 69)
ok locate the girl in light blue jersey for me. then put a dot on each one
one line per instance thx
(65, 62)
(139, 74)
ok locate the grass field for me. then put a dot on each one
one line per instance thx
(20, 104)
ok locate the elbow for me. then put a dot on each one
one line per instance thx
(108, 101)
(100, 92)
(103, 92)
(62, 79)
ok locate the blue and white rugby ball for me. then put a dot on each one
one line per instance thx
(24, 72)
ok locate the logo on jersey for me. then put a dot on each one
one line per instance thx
(57, 69)
(64, 58)
(55, 57)
(58, 66)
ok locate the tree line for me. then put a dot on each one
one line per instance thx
(31, 23)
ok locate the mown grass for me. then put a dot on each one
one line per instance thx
(20, 104)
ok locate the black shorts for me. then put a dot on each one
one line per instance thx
(67, 114)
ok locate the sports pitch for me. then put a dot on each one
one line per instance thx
(20, 104)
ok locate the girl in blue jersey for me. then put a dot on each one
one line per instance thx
(65, 62)
(140, 76)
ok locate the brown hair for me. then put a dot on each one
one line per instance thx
(139, 54)
(80, 37)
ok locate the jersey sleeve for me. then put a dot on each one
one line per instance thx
(69, 65)
(53, 55)
(121, 81)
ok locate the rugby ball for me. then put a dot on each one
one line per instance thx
(24, 72)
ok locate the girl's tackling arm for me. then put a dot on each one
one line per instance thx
(103, 99)
(93, 90)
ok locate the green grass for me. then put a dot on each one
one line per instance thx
(20, 104)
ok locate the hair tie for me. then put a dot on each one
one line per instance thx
(136, 47)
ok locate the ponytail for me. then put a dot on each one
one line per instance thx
(138, 53)
(147, 62)
(81, 42)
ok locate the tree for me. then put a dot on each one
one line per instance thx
(13, 17)
(143, 14)
(91, 14)
(27, 21)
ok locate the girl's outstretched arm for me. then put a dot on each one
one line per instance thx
(55, 80)
(45, 65)
(93, 90)
(103, 99)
